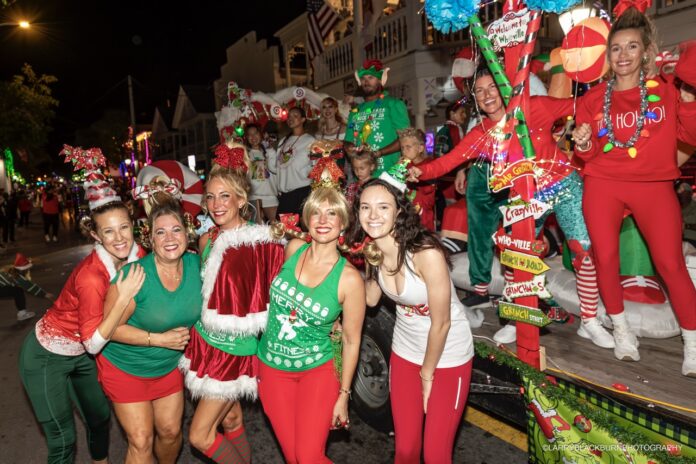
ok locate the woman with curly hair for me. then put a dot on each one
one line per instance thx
(432, 349)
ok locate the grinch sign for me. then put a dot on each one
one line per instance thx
(519, 212)
(511, 173)
(527, 314)
(523, 262)
(509, 30)
(534, 287)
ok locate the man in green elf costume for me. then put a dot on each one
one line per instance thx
(372, 125)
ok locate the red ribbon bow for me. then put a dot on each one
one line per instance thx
(358, 247)
(326, 161)
(580, 253)
(90, 159)
(173, 188)
(230, 158)
(623, 5)
(290, 221)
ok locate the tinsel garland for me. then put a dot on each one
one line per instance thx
(598, 416)
(450, 15)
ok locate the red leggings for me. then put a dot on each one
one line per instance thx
(445, 408)
(299, 406)
(657, 213)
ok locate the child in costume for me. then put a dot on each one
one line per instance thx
(56, 362)
(413, 149)
(363, 164)
(432, 346)
(240, 260)
(262, 173)
(627, 130)
(15, 281)
(304, 383)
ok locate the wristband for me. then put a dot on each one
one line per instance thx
(148, 339)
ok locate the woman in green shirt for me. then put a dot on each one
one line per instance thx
(138, 369)
(298, 385)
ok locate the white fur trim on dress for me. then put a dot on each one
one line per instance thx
(244, 387)
(252, 324)
(105, 257)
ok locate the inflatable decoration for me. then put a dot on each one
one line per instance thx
(174, 178)
(583, 52)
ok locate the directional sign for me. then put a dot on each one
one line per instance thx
(521, 313)
(514, 171)
(505, 242)
(517, 213)
(534, 287)
(523, 262)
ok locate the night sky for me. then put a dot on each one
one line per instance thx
(91, 46)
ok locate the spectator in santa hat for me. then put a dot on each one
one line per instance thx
(15, 280)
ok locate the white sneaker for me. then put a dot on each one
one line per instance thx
(625, 345)
(55, 238)
(689, 364)
(592, 330)
(48, 238)
(507, 334)
(23, 315)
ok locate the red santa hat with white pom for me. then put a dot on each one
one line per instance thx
(98, 191)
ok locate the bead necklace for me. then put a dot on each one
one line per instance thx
(366, 128)
(643, 114)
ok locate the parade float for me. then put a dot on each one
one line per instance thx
(578, 404)
(575, 401)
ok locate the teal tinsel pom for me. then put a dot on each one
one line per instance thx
(450, 15)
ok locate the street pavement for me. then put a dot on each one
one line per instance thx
(22, 439)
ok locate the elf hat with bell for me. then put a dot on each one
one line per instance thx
(21, 263)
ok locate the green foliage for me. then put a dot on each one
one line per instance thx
(109, 133)
(26, 110)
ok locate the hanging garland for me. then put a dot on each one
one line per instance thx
(597, 416)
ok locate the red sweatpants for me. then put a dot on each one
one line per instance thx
(657, 213)
(445, 408)
(299, 406)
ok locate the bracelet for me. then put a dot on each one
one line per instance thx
(423, 378)
(148, 339)
(343, 390)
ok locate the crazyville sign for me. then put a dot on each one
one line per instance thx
(517, 213)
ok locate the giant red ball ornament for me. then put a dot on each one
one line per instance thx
(583, 52)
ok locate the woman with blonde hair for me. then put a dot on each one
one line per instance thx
(239, 261)
(303, 391)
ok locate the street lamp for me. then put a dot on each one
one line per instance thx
(21, 24)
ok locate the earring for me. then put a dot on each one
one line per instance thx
(342, 238)
(645, 59)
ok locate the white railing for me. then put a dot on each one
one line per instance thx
(391, 37)
(336, 62)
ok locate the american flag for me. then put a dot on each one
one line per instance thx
(321, 19)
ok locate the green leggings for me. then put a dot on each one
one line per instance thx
(53, 383)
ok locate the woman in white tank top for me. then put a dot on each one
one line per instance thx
(432, 349)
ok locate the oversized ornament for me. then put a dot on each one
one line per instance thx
(583, 52)
(582, 423)
(560, 85)
(173, 178)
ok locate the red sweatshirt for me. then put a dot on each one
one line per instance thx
(656, 157)
(425, 198)
(553, 164)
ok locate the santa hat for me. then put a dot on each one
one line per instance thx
(21, 263)
(98, 191)
(463, 67)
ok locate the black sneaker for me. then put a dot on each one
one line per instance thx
(475, 300)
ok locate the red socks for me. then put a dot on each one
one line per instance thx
(239, 439)
(223, 451)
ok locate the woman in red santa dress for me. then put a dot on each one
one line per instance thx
(56, 362)
(239, 261)
(627, 131)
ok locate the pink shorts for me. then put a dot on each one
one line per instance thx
(122, 387)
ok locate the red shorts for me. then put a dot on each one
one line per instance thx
(122, 387)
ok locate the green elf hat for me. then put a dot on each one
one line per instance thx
(396, 175)
(372, 68)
